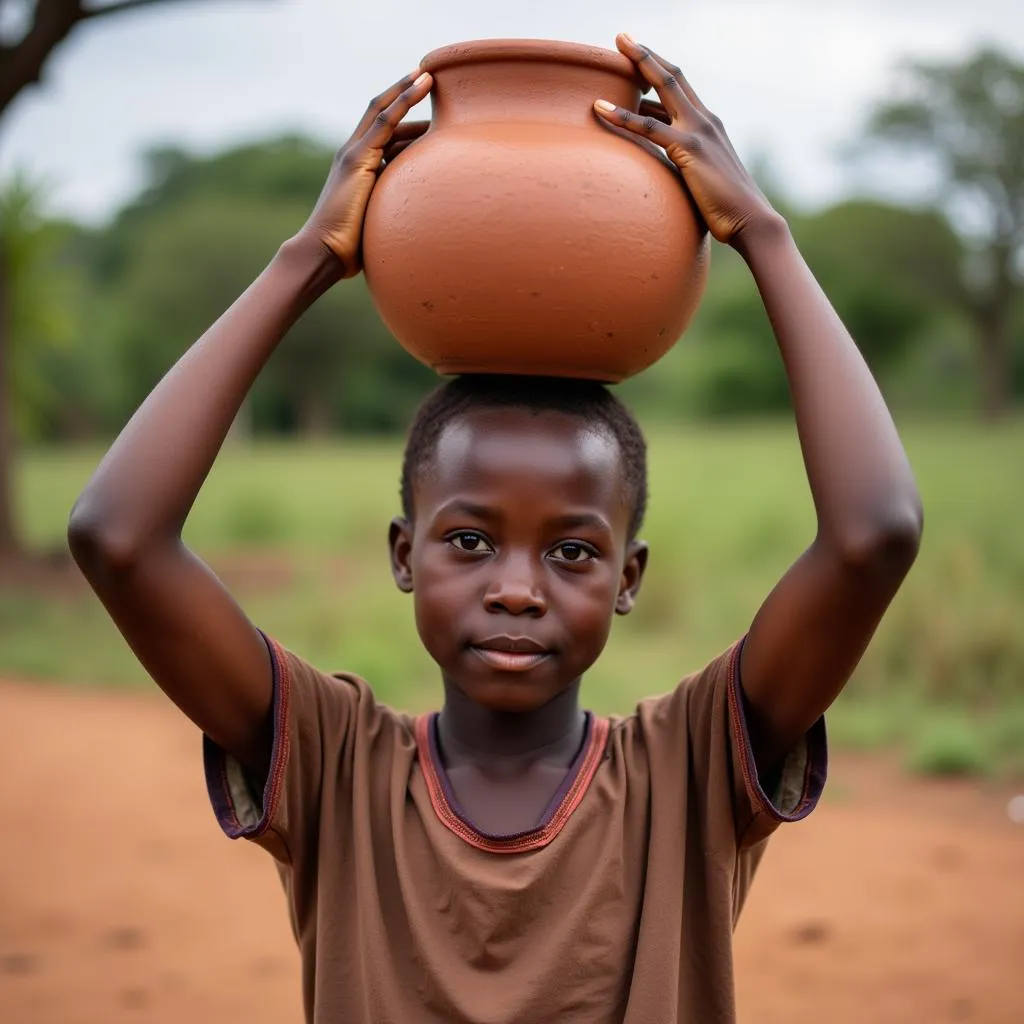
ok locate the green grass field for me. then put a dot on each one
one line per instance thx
(943, 681)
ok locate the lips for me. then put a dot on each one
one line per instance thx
(512, 644)
(511, 653)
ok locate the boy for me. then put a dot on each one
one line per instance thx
(512, 859)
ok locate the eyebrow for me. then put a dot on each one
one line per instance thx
(572, 519)
(564, 522)
(467, 508)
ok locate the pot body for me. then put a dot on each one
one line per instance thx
(519, 234)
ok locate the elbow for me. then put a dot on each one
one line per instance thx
(887, 545)
(97, 545)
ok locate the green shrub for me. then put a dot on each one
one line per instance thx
(949, 744)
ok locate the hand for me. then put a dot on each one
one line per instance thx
(405, 135)
(336, 223)
(695, 141)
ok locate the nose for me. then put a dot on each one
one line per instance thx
(515, 591)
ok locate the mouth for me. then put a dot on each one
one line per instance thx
(510, 654)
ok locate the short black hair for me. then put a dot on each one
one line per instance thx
(588, 400)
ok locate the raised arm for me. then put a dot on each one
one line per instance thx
(125, 528)
(813, 628)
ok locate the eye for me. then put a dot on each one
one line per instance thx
(469, 541)
(574, 552)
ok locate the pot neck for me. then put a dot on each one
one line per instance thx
(526, 90)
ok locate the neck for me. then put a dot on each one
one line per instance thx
(470, 732)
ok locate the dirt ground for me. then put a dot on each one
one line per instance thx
(898, 901)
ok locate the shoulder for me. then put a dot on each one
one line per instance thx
(696, 739)
(692, 697)
(333, 700)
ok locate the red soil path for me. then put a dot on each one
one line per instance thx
(898, 901)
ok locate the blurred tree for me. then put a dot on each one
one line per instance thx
(202, 229)
(38, 299)
(968, 118)
(30, 30)
(891, 273)
(286, 170)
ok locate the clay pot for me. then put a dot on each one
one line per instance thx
(520, 234)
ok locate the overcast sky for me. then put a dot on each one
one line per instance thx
(791, 78)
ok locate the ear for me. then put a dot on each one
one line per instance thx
(400, 546)
(632, 574)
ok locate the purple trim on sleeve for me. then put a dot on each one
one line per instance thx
(815, 769)
(215, 760)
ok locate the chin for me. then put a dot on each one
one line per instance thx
(510, 698)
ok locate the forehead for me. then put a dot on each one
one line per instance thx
(518, 456)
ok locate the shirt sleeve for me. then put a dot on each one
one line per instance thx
(708, 709)
(314, 716)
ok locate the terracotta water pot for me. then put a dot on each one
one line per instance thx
(522, 235)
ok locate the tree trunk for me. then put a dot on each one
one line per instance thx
(995, 357)
(9, 545)
(995, 374)
(314, 416)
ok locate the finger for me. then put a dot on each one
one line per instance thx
(680, 78)
(647, 126)
(382, 102)
(668, 79)
(677, 103)
(409, 131)
(383, 126)
(706, 121)
(392, 149)
(651, 108)
(405, 135)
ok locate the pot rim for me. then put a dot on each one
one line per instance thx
(477, 51)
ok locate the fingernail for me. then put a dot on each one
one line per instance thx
(604, 105)
(422, 78)
(629, 38)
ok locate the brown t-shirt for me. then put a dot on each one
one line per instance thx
(618, 907)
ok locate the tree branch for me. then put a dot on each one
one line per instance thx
(119, 8)
(22, 64)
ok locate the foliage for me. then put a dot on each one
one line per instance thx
(198, 235)
(950, 745)
(892, 274)
(30, 31)
(41, 323)
(967, 118)
(287, 171)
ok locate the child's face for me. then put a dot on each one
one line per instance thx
(519, 554)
